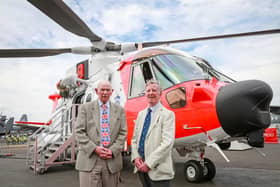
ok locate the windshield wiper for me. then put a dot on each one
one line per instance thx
(162, 72)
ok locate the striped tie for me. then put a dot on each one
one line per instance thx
(105, 127)
(145, 129)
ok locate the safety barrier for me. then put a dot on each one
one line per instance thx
(271, 135)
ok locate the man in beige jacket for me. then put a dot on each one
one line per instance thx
(100, 133)
(152, 141)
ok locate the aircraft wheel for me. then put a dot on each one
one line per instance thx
(224, 146)
(193, 171)
(126, 153)
(209, 171)
(41, 171)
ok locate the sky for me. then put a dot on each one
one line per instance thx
(26, 83)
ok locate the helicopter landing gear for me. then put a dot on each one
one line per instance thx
(40, 170)
(209, 170)
(126, 153)
(193, 171)
(198, 171)
(224, 145)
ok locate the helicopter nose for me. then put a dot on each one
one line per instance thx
(243, 110)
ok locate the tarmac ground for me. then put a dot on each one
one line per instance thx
(245, 169)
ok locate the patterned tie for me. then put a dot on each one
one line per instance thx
(145, 129)
(105, 127)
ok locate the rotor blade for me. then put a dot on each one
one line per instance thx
(245, 34)
(12, 53)
(58, 11)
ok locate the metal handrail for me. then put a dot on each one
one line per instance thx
(64, 126)
(57, 112)
(41, 133)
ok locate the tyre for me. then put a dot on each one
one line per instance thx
(209, 170)
(224, 146)
(193, 171)
(41, 171)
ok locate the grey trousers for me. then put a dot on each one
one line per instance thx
(100, 176)
(147, 182)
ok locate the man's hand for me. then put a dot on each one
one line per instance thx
(141, 165)
(138, 162)
(103, 153)
(144, 168)
(108, 154)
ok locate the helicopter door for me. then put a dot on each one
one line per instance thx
(140, 74)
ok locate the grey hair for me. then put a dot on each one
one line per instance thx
(101, 82)
(152, 81)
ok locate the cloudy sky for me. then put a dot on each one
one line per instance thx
(25, 83)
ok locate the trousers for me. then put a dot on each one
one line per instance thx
(100, 176)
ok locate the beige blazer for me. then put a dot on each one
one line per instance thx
(158, 144)
(88, 136)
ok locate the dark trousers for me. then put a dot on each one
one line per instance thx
(147, 182)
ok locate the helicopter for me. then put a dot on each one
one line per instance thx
(202, 98)
(6, 125)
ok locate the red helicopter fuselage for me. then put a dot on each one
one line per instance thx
(192, 101)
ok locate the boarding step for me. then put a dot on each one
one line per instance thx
(60, 142)
(39, 169)
(48, 155)
(53, 148)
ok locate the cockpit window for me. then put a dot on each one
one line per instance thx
(174, 69)
(169, 70)
(212, 72)
(176, 98)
